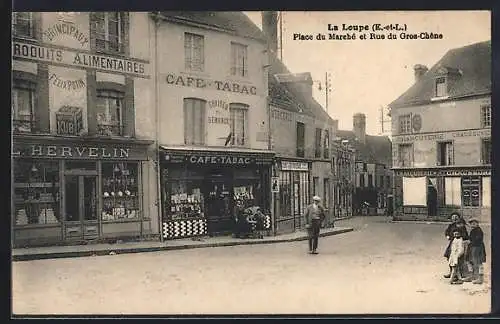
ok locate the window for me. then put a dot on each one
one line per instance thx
(23, 106)
(334, 166)
(445, 153)
(414, 191)
(120, 191)
(300, 139)
(194, 50)
(194, 121)
(381, 183)
(471, 189)
(405, 124)
(405, 155)
(22, 24)
(452, 191)
(36, 192)
(370, 180)
(317, 143)
(486, 115)
(441, 90)
(315, 186)
(109, 31)
(238, 122)
(109, 113)
(239, 60)
(388, 181)
(326, 192)
(326, 145)
(362, 180)
(486, 185)
(486, 151)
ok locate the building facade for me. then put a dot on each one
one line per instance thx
(212, 108)
(343, 162)
(82, 151)
(442, 138)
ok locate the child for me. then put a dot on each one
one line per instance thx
(463, 261)
(477, 254)
(456, 252)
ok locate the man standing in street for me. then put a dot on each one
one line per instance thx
(314, 216)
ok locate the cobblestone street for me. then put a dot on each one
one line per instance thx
(380, 267)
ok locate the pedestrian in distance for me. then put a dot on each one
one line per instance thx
(477, 252)
(313, 217)
(456, 252)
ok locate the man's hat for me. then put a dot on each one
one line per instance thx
(316, 198)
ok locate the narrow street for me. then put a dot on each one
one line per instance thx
(380, 267)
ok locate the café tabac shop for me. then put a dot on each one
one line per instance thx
(75, 190)
(199, 189)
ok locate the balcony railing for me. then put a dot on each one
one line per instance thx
(109, 130)
(23, 126)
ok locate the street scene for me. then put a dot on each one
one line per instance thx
(378, 268)
(260, 162)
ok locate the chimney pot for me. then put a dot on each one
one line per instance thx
(419, 71)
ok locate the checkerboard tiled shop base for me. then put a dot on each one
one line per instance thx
(195, 227)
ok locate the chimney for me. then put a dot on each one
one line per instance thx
(359, 127)
(419, 70)
(270, 29)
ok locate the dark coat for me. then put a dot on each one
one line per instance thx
(477, 251)
(449, 233)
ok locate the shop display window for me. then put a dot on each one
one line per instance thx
(415, 191)
(183, 199)
(120, 190)
(471, 191)
(36, 192)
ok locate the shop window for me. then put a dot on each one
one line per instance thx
(285, 194)
(120, 190)
(326, 192)
(445, 153)
(486, 194)
(239, 122)
(405, 124)
(370, 181)
(405, 152)
(441, 87)
(486, 115)
(326, 145)
(36, 192)
(183, 199)
(301, 130)
(23, 106)
(239, 59)
(317, 143)
(315, 186)
(109, 31)
(194, 121)
(110, 113)
(415, 191)
(452, 191)
(471, 191)
(486, 151)
(194, 51)
(22, 24)
(302, 178)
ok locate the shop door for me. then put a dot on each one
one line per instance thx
(218, 206)
(81, 207)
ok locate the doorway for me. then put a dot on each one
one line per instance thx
(432, 197)
(80, 202)
(218, 204)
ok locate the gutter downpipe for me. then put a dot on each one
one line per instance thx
(156, 18)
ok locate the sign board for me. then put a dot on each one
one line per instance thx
(486, 132)
(69, 121)
(294, 166)
(275, 184)
(442, 173)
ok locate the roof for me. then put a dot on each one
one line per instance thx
(472, 68)
(377, 149)
(228, 21)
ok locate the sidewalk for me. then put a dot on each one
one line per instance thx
(26, 254)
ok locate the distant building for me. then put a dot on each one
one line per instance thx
(372, 171)
(442, 138)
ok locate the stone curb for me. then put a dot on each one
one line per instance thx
(427, 222)
(75, 254)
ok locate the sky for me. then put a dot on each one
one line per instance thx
(369, 74)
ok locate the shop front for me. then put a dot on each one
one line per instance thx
(69, 190)
(199, 189)
(294, 194)
(436, 193)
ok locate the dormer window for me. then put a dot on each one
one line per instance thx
(441, 87)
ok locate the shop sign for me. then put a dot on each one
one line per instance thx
(78, 59)
(209, 84)
(225, 160)
(72, 151)
(442, 173)
(486, 132)
(294, 166)
(69, 120)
